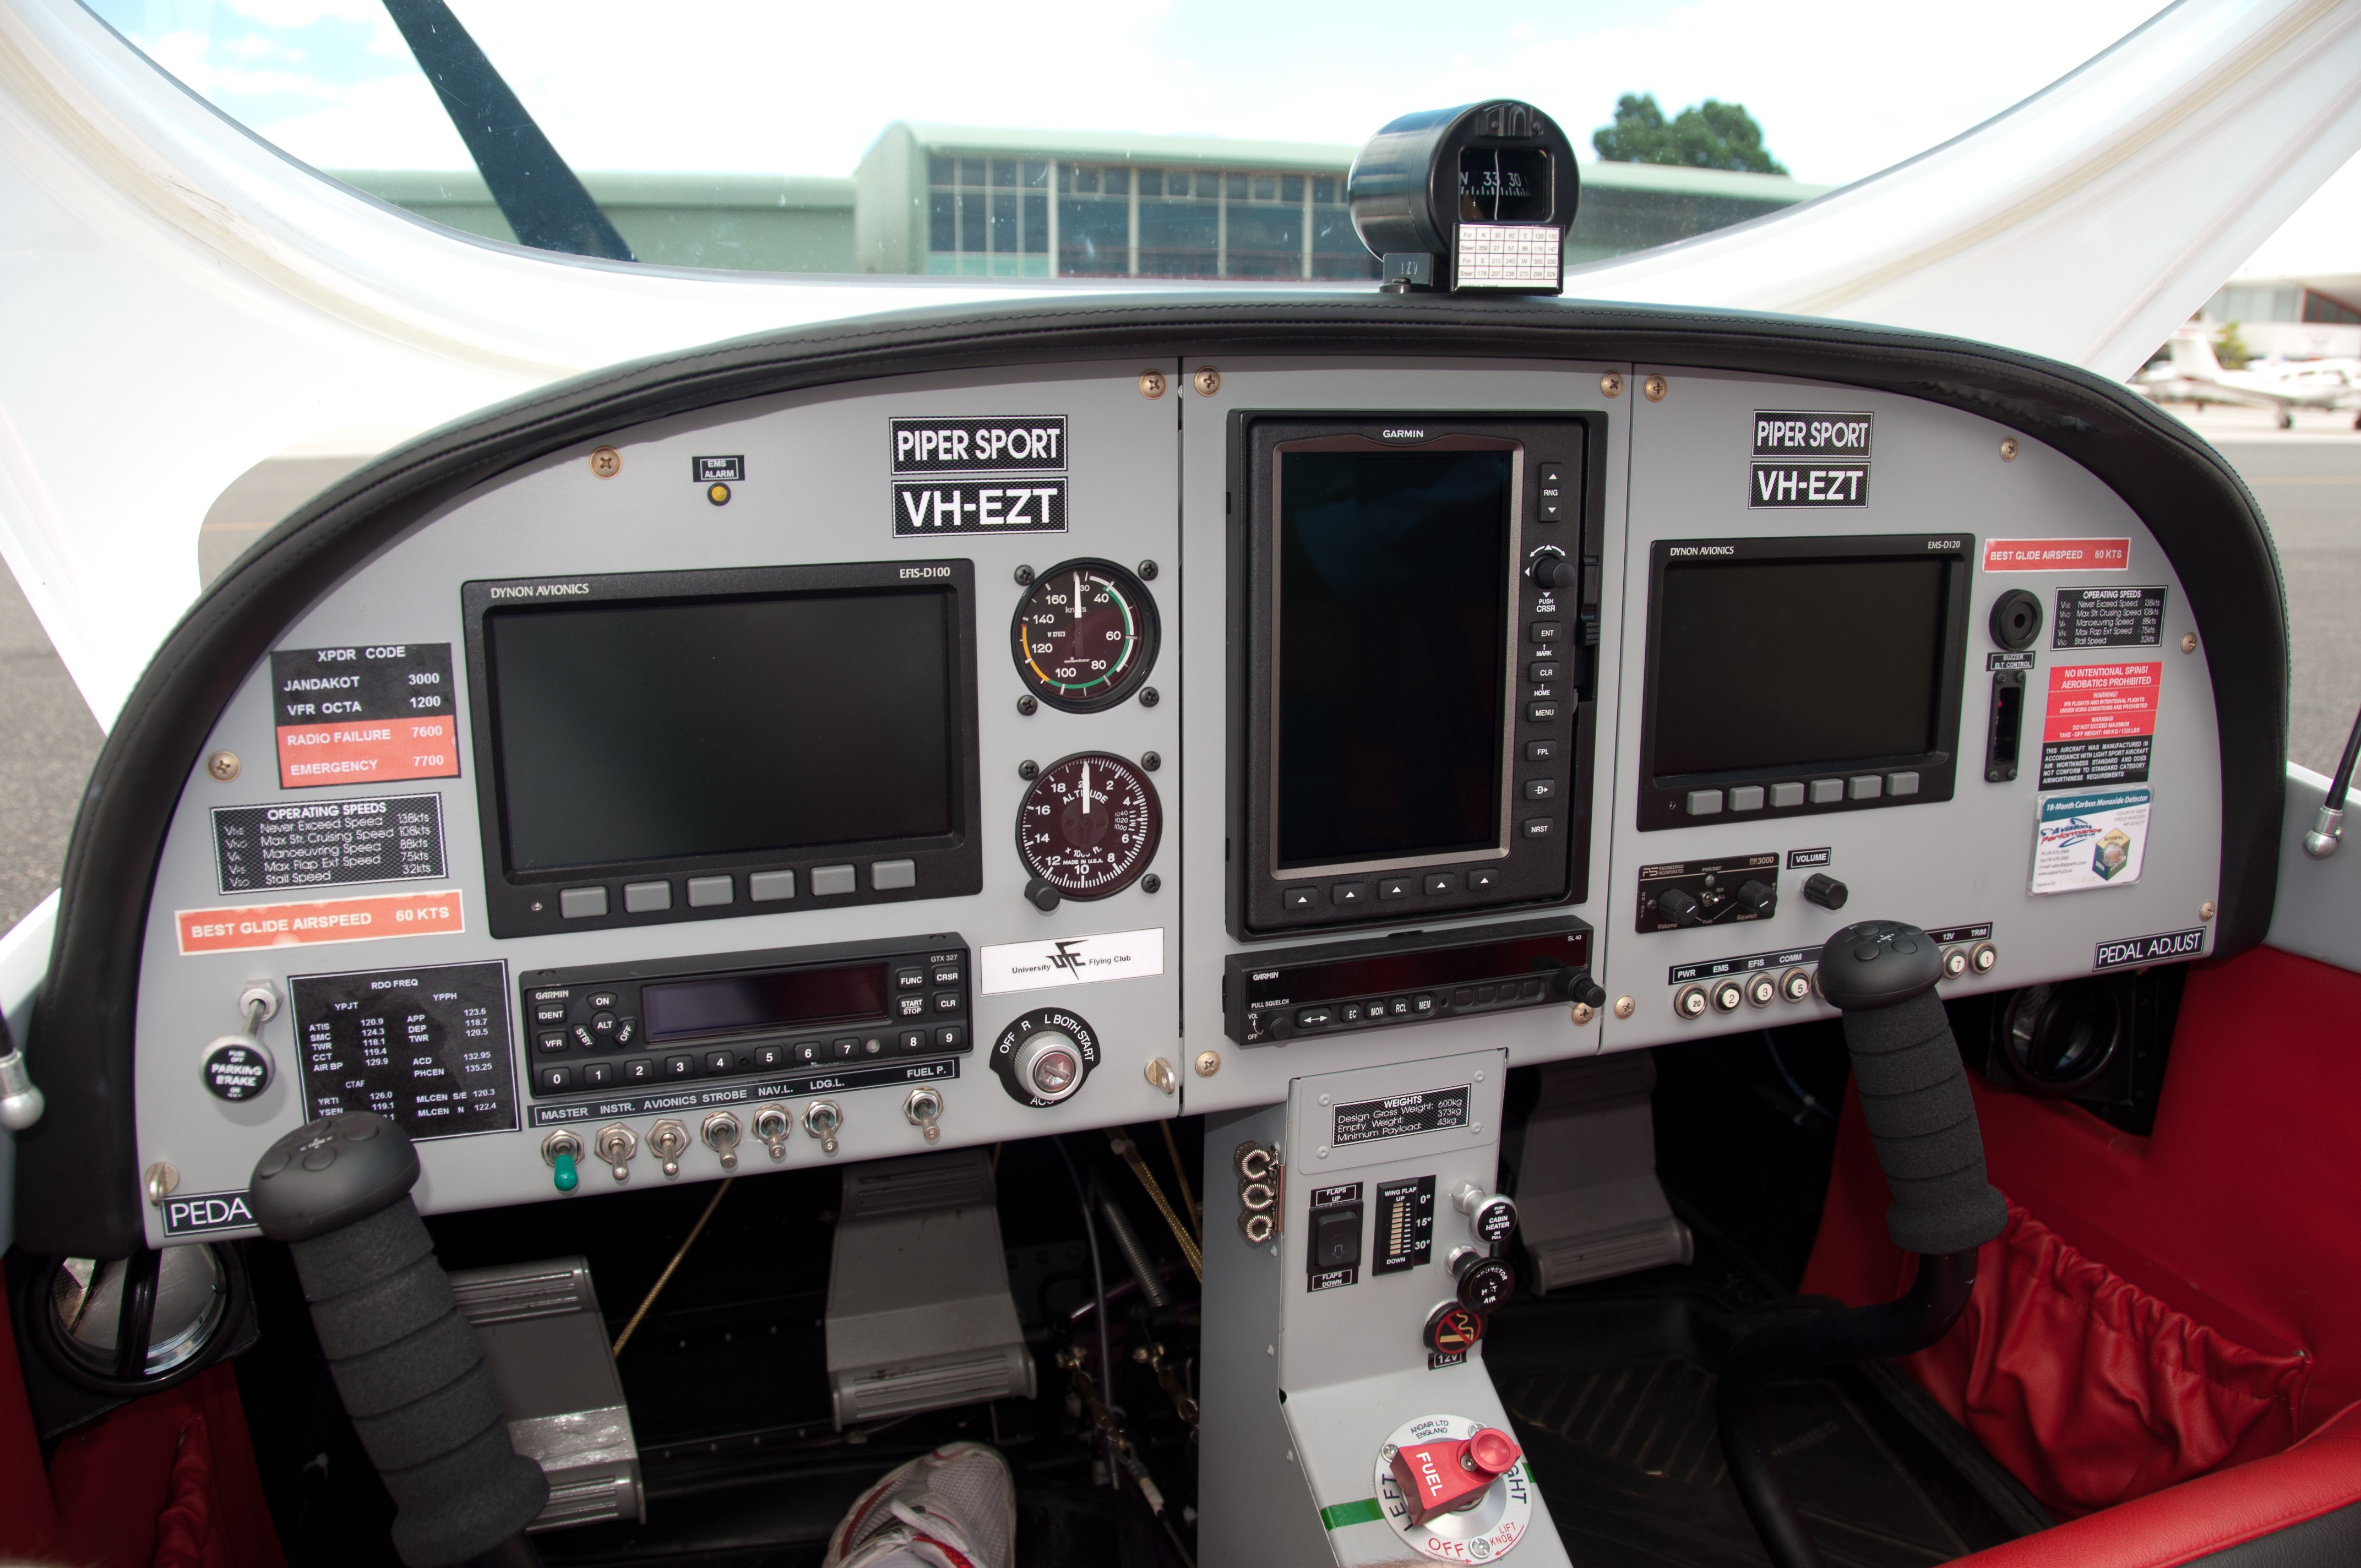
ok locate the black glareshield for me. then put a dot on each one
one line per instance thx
(733, 722)
(1788, 668)
(1424, 175)
(1412, 701)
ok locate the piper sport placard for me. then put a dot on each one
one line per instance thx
(979, 473)
(1809, 457)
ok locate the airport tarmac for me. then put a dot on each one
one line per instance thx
(2308, 481)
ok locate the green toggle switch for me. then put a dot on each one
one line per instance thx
(567, 1178)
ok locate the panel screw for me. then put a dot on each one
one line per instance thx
(1029, 770)
(1151, 882)
(1207, 380)
(1159, 1073)
(1026, 705)
(1611, 384)
(606, 462)
(1625, 1007)
(1151, 761)
(162, 1181)
(2205, 910)
(2188, 644)
(1208, 1063)
(1149, 696)
(2008, 449)
(1023, 575)
(1584, 1012)
(1151, 384)
(1147, 571)
(1655, 387)
(223, 766)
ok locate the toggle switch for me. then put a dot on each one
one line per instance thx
(719, 1134)
(922, 1110)
(563, 1152)
(773, 1126)
(616, 1144)
(822, 1120)
(668, 1140)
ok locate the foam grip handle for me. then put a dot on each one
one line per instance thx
(1914, 1096)
(412, 1374)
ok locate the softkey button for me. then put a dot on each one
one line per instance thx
(1483, 879)
(1705, 803)
(1784, 795)
(1348, 895)
(828, 881)
(1394, 887)
(1825, 791)
(1300, 896)
(1442, 882)
(1312, 1017)
(582, 902)
(1541, 711)
(1746, 797)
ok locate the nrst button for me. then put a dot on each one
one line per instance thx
(1536, 826)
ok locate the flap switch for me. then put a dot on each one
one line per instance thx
(1824, 890)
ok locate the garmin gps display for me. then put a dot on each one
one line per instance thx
(1393, 581)
(671, 729)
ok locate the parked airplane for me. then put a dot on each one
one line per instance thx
(2193, 375)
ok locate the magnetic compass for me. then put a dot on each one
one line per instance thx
(1089, 825)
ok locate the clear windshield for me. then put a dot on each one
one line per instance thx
(1181, 139)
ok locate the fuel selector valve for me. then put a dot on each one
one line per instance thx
(1455, 1489)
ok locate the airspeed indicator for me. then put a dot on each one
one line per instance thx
(1089, 825)
(1084, 635)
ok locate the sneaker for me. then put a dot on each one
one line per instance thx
(955, 1508)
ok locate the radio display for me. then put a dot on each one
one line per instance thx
(1797, 663)
(778, 998)
(1421, 970)
(668, 729)
(1394, 571)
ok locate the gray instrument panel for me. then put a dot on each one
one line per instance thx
(1145, 480)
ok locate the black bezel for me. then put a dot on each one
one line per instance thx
(948, 865)
(1151, 638)
(1530, 872)
(1239, 971)
(1662, 799)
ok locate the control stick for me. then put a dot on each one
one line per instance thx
(1913, 1095)
(406, 1361)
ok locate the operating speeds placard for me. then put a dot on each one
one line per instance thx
(327, 843)
(427, 1047)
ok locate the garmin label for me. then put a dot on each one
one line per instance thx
(359, 715)
(1399, 1115)
(2108, 618)
(327, 842)
(999, 506)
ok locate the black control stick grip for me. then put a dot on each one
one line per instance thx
(1914, 1091)
(406, 1361)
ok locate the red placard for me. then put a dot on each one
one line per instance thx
(2058, 555)
(368, 919)
(2101, 702)
(364, 750)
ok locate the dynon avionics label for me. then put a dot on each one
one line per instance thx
(1809, 457)
(979, 473)
(1399, 1115)
(362, 715)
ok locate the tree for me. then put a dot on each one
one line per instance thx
(2230, 350)
(1711, 135)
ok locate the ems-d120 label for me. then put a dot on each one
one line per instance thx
(1809, 457)
(979, 473)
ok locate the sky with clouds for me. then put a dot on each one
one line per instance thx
(1843, 88)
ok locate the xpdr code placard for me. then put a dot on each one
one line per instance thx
(360, 714)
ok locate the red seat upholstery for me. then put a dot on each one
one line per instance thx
(2185, 1523)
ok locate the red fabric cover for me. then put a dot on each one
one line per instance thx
(28, 1519)
(2091, 1390)
(166, 1482)
(2214, 1513)
(2235, 1213)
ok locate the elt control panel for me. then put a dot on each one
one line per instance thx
(950, 758)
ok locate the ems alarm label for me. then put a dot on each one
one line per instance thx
(1399, 1115)
(2058, 555)
(327, 842)
(2108, 618)
(365, 714)
(2100, 725)
(2093, 839)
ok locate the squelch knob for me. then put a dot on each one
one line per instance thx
(1758, 898)
(1677, 906)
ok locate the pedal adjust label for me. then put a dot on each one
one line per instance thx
(205, 1213)
(2158, 948)
(359, 715)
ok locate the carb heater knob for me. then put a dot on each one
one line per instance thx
(1491, 1215)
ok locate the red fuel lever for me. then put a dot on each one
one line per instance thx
(1438, 1476)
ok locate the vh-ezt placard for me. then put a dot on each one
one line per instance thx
(979, 473)
(1810, 457)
